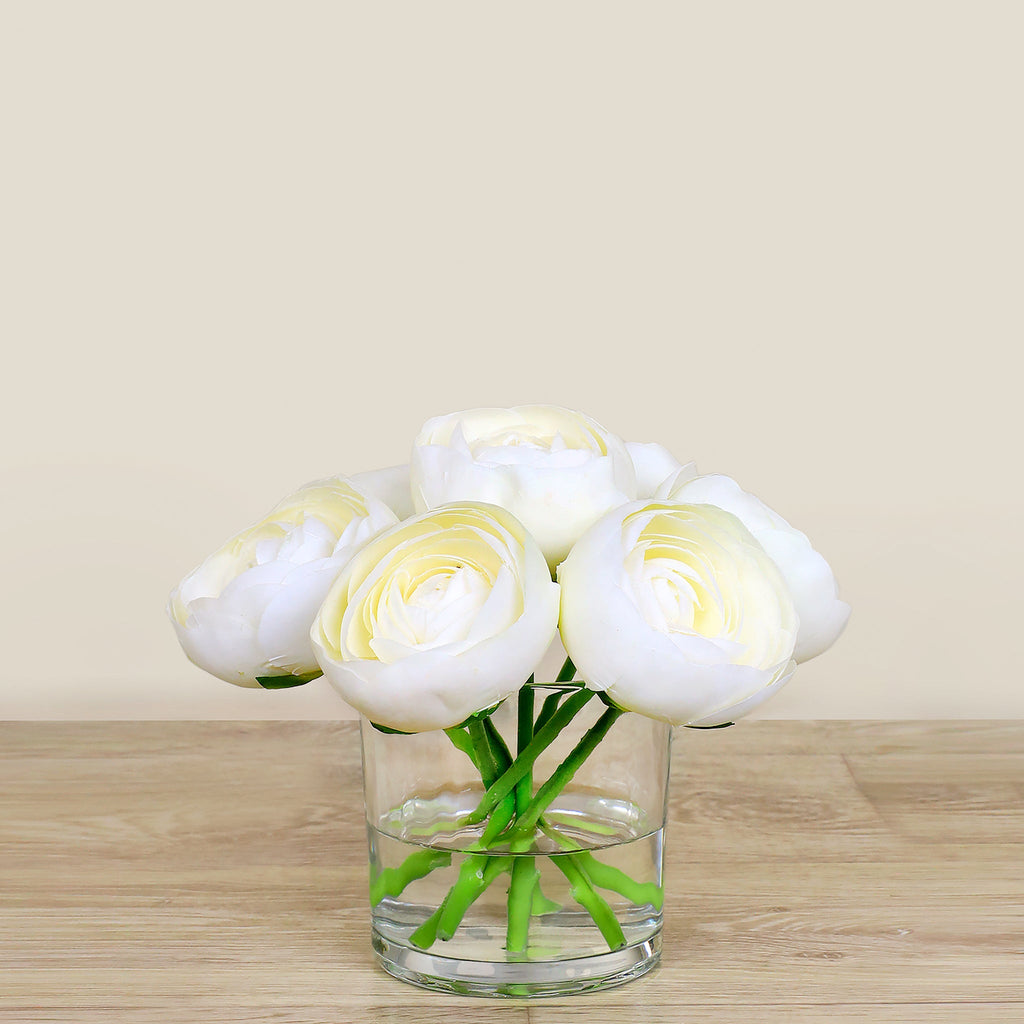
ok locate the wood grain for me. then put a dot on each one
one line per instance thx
(840, 871)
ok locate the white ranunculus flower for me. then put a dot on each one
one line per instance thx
(556, 470)
(391, 485)
(677, 612)
(809, 578)
(246, 611)
(654, 464)
(439, 617)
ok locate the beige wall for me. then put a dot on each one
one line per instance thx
(245, 245)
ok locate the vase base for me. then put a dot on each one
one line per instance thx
(526, 979)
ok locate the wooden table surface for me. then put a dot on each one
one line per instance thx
(839, 871)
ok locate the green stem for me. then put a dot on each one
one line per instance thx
(493, 759)
(486, 748)
(475, 875)
(502, 757)
(426, 935)
(521, 892)
(566, 672)
(523, 763)
(604, 876)
(541, 904)
(489, 753)
(498, 760)
(392, 881)
(588, 898)
(560, 778)
(524, 733)
(501, 817)
(573, 866)
(504, 814)
(548, 708)
(485, 758)
(525, 875)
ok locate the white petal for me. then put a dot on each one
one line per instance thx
(503, 606)
(671, 483)
(734, 712)
(654, 464)
(220, 643)
(283, 633)
(390, 485)
(811, 582)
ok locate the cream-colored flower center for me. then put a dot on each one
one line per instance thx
(695, 571)
(424, 612)
(334, 502)
(447, 578)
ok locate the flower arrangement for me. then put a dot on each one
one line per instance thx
(429, 594)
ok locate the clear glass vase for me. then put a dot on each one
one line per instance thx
(558, 886)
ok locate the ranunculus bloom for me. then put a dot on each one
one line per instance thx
(555, 470)
(809, 578)
(677, 612)
(246, 611)
(439, 617)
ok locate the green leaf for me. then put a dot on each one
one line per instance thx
(566, 672)
(387, 730)
(608, 702)
(724, 725)
(287, 682)
(478, 716)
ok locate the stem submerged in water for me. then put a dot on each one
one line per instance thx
(587, 897)
(475, 875)
(392, 881)
(521, 892)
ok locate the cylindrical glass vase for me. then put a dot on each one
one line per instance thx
(558, 887)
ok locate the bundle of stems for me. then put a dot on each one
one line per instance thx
(512, 814)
